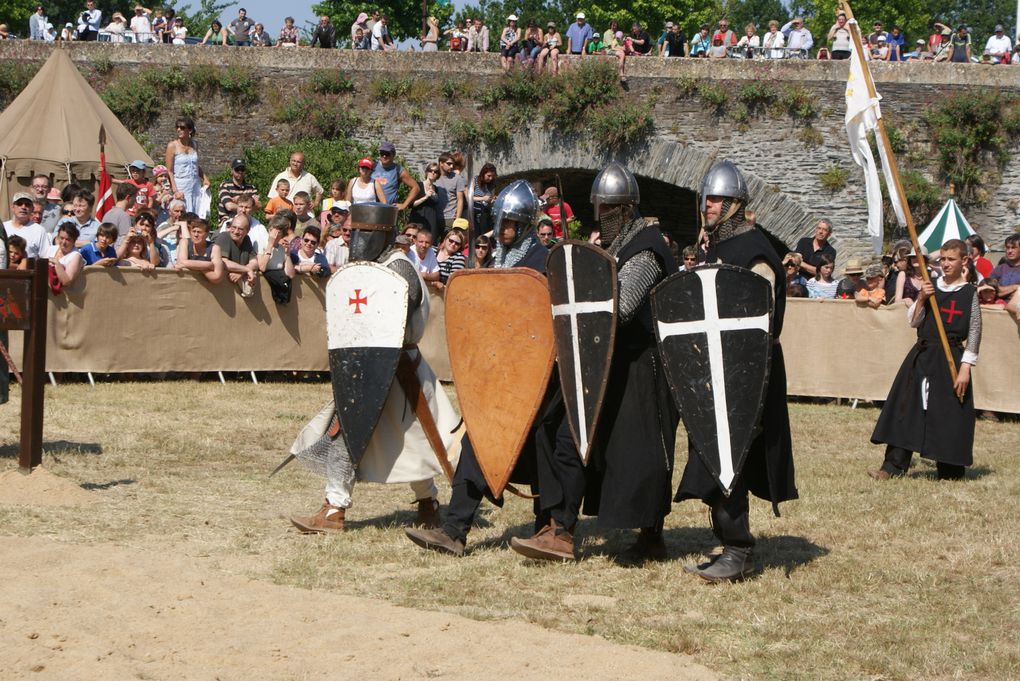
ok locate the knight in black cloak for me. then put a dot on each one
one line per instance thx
(629, 473)
(768, 468)
(925, 411)
(514, 211)
(400, 450)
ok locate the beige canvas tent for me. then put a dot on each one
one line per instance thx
(52, 128)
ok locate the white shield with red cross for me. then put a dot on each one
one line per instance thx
(366, 313)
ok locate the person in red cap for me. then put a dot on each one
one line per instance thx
(362, 188)
(555, 209)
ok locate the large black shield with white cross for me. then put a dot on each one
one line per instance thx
(714, 332)
(582, 289)
(366, 313)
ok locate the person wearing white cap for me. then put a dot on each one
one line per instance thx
(999, 46)
(37, 241)
(578, 35)
(508, 41)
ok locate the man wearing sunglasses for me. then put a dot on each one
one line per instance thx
(51, 210)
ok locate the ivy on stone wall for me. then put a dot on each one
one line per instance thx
(587, 97)
(138, 97)
(14, 76)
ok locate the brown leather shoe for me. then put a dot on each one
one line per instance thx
(648, 546)
(428, 513)
(329, 519)
(435, 540)
(880, 474)
(552, 542)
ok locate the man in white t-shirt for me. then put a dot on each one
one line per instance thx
(999, 46)
(381, 35)
(300, 180)
(423, 257)
(141, 25)
(37, 241)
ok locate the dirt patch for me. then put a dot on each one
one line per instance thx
(41, 488)
(102, 611)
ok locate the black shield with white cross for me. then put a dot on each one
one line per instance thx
(583, 292)
(366, 313)
(714, 332)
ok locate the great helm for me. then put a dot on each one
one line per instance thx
(723, 179)
(372, 229)
(614, 186)
(517, 202)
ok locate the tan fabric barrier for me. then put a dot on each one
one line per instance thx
(834, 348)
(123, 320)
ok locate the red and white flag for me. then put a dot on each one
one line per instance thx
(105, 201)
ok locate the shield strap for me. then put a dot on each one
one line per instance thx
(407, 376)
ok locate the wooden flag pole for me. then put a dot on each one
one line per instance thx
(883, 139)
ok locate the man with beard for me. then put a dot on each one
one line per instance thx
(514, 212)
(768, 468)
(631, 465)
(399, 450)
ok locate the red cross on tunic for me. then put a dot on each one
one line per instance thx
(357, 301)
(950, 311)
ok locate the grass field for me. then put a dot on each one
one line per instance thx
(908, 579)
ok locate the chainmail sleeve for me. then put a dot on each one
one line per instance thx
(404, 268)
(637, 277)
(970, 355)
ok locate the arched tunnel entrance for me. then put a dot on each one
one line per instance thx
(674, 207)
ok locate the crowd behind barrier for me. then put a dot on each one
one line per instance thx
(166, 321)
(521, 40)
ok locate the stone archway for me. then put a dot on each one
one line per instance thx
(537, 153)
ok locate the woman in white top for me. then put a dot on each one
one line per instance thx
(179, 32)
(749, 42)
(839, 36)
(823, 285)
(430, 41)
(551, 43)
(64, 257)
(774, 42)
(363, 188)
(116, 28)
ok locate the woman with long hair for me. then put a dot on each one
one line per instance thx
(909, 281)
(483, 197)
(216, 35)
(430, 41)
(182, 164)
(531, 44)
(483, 251)
(426, 210)
(823, 285)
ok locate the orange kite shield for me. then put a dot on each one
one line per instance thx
(500, 332)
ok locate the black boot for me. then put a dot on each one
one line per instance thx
(648, 546)
(733, 565)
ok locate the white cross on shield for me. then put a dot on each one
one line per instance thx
(703, 337)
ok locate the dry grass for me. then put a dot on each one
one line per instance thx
(903, 580)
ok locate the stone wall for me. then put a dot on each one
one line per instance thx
(782, 167)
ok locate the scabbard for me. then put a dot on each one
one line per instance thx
(407, 376)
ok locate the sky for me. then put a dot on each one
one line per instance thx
(271, 12)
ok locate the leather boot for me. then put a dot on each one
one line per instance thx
(733, 565)
(329, 519)
(648, 546)
(435, 540)
(428, 513)
(552, 542)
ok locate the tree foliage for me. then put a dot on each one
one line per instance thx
(403, 16)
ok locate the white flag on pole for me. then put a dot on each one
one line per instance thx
(862, 114)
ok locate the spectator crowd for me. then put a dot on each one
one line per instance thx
(524, 42)
(298, 226)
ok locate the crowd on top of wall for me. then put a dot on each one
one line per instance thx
(525, 42)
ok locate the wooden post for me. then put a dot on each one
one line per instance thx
(32, 390)
(883, 138)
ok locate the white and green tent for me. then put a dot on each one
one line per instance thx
(948, 224)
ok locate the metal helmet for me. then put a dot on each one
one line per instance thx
(723, 179)
(373, 228)
(614, 186)
(517, 202)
